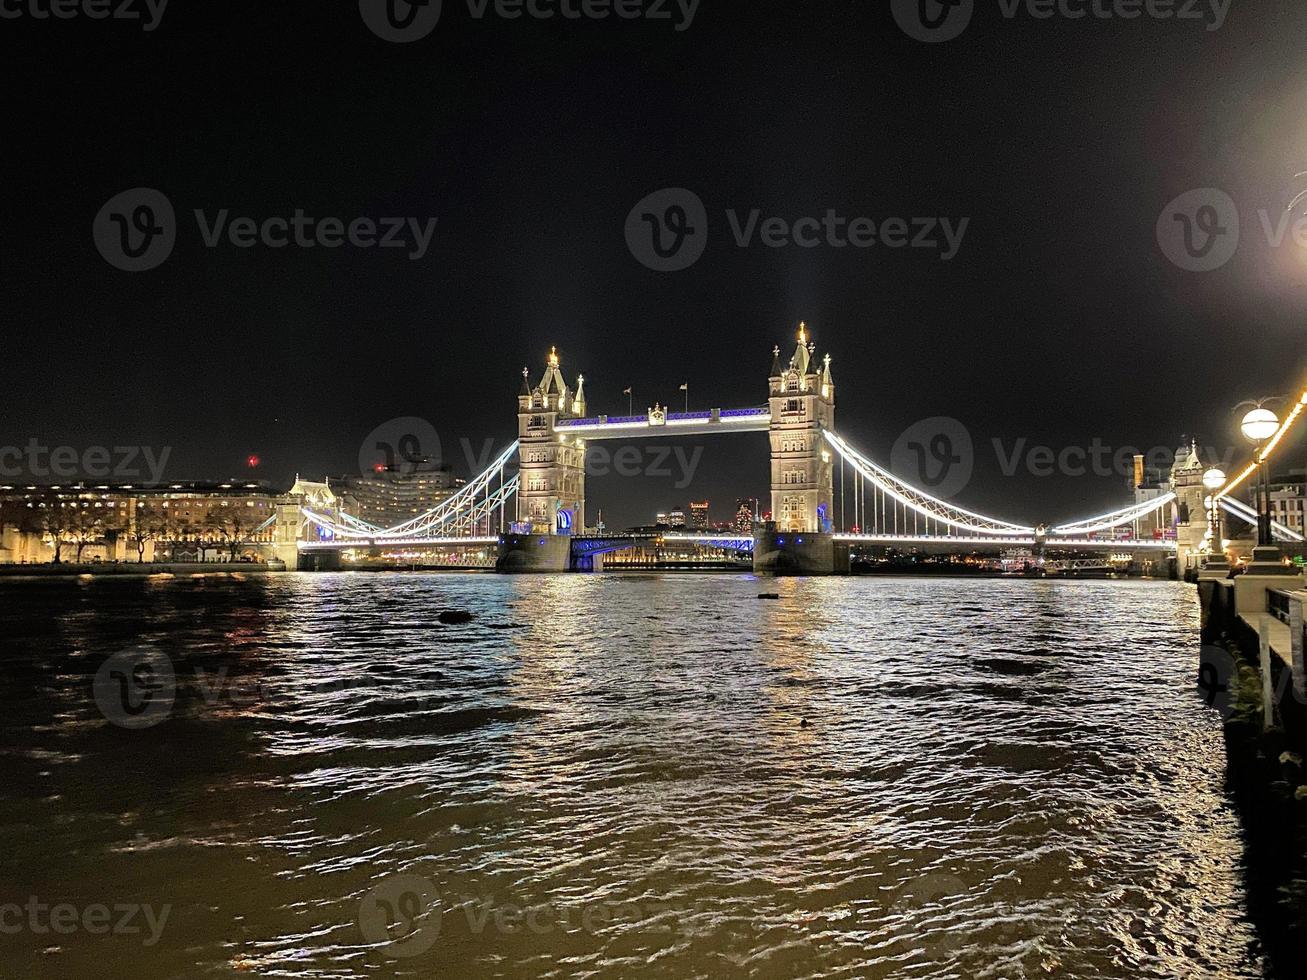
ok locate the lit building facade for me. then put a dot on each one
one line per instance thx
(1289, 506)
(802, 399)
(177, 522)
(394, 494)
(746, 513)
(551, 492)
(699, 516)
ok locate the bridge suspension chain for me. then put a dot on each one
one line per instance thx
(464, 513)
(1249, 516)
(900, 509)
(1114, 519)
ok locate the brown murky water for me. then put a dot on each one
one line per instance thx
(611, 776)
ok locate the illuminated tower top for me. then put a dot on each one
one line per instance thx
(552, 393)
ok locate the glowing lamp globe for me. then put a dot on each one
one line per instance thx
(1259, 425)
(1214, 479)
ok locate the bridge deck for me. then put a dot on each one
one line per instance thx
(711, 422)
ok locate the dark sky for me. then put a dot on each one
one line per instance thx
(1059, 321)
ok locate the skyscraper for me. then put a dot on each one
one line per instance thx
(746, 512)
(699, 516)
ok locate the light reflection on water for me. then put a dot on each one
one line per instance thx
(623, 775)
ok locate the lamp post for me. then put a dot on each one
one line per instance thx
(1213, 480)
(1257, 427)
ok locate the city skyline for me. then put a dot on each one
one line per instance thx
(315, 347)
(654, 488)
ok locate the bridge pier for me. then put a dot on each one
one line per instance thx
(526, 553)
(799, 553)
(318, 561)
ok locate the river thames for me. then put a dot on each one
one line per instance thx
(612, 776)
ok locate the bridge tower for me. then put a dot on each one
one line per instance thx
(802, 396)
(1189, 514)
(551, 491)
(802, 400)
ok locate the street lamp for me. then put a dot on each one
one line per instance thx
(1213, 480)
(1257, 427)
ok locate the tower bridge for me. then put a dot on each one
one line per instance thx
(826, 496)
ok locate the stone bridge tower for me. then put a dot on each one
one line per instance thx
(802, 398)
(551, 495)
(802, 402)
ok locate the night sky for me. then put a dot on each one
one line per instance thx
(1059, 320)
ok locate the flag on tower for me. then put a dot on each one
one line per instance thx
(626, 391)
(685, 387)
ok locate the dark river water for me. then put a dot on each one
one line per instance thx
(612, 776)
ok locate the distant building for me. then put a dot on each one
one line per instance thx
(121, 522)
(1289, 506)
(393, 494)
(676, 518)
(699, 516)
(746, 514)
